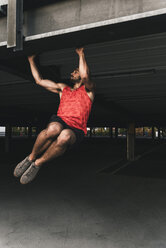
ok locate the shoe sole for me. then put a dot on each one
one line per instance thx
(20, 171)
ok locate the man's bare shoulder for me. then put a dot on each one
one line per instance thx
(61, 86)
(90, 93)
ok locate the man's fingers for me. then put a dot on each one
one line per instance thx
(79, 50)
(31, 56)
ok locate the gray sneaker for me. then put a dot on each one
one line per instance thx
(29, 174)
(22, 167)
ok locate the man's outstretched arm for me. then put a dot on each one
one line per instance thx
(46, 83)
(84, 70)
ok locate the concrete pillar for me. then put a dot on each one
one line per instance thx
(110, 132)
(143, 131)
(90, 131)
(8, 133)
(39, 128)
(29, 132)
(153, 133)
(93, 130)
(116, 132)
(163, 133)
(159, 136)
(131, 142)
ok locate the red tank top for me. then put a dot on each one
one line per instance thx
(75, 107)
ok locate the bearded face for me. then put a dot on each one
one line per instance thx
(75, 76)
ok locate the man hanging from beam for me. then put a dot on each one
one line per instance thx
(68, 126)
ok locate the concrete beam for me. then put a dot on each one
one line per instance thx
(87, 14)
(48, 21)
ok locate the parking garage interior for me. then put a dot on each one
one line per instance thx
(109, 191)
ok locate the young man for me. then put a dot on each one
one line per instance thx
(66, 128)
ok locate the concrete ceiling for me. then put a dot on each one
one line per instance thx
(129, 72)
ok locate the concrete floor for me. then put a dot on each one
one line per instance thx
(73, 205)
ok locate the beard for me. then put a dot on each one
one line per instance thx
(73, 81)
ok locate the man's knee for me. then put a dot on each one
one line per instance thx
(53, 130)
(67, 137)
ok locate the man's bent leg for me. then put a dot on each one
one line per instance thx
(57, 148)
(43, 141)
(45, 138)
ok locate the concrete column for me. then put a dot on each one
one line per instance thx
(153, 133)
(131, 142)
(143, 131)
(163, 133)
(93, 129)
(90, 131)
(29, 132)
(8, 133)
(110, 132)
(116, 132)
(39, 128)
(159, 136)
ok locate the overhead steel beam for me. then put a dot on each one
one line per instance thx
(14, 24)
